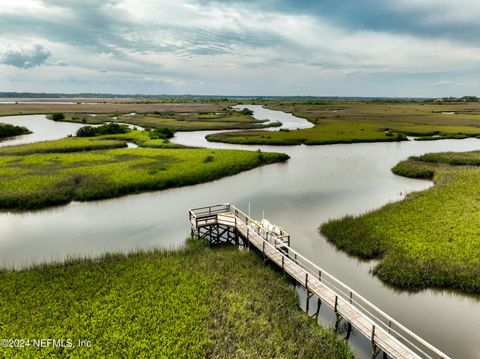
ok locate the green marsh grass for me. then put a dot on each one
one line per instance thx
(327, 132)
(364, 121)
(69, 144)
(45, 179)
(178, 121)
(430, 239)
(194, 302)
(143, 139)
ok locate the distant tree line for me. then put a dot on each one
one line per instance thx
(459, 99)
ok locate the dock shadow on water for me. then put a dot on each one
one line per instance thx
(327, 318)
(224, 223)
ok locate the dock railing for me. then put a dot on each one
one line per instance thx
(378, 316)
(231, 215)
(200, 215)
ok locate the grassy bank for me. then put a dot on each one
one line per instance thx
(141, 138)
(328, 132)
(335, 121)
(225, 119)
(190, 303)
(188, 116)
(70, 144)
(365, 121)
(81, 144)
(45, 179)
(7, 130)
(430, 239)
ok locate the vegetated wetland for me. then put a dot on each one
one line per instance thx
(167, 303)
(112, 106)
(365, 121)
(94, 167)
(227, 119)
(344, 179)
(187, 116)
(39, 180)
(430, 239)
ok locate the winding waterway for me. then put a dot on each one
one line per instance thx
(318, 183)
(40, 127)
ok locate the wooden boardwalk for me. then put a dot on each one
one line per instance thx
(227, 224)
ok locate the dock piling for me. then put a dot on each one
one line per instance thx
(224, 223)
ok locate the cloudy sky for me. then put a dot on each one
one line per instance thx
(242, 47)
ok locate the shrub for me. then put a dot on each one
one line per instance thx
(58, 116)
(86, 131)
(246, 112)
(107, 129)
(7, 130)
(111, 129)
(161, 133)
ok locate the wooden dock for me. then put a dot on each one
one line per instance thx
(225, 223)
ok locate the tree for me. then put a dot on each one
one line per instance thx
(246, 112)
(58, 116)
(86, 131)
(111, 129)
(469, 99)
(161, 133)
(107, 129)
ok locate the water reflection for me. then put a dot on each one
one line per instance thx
(42, 129)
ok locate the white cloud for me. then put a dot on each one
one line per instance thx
(25, 57)
(220, 47)
(441, 11)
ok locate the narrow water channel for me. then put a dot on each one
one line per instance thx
(318, 183)
(42, 129)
